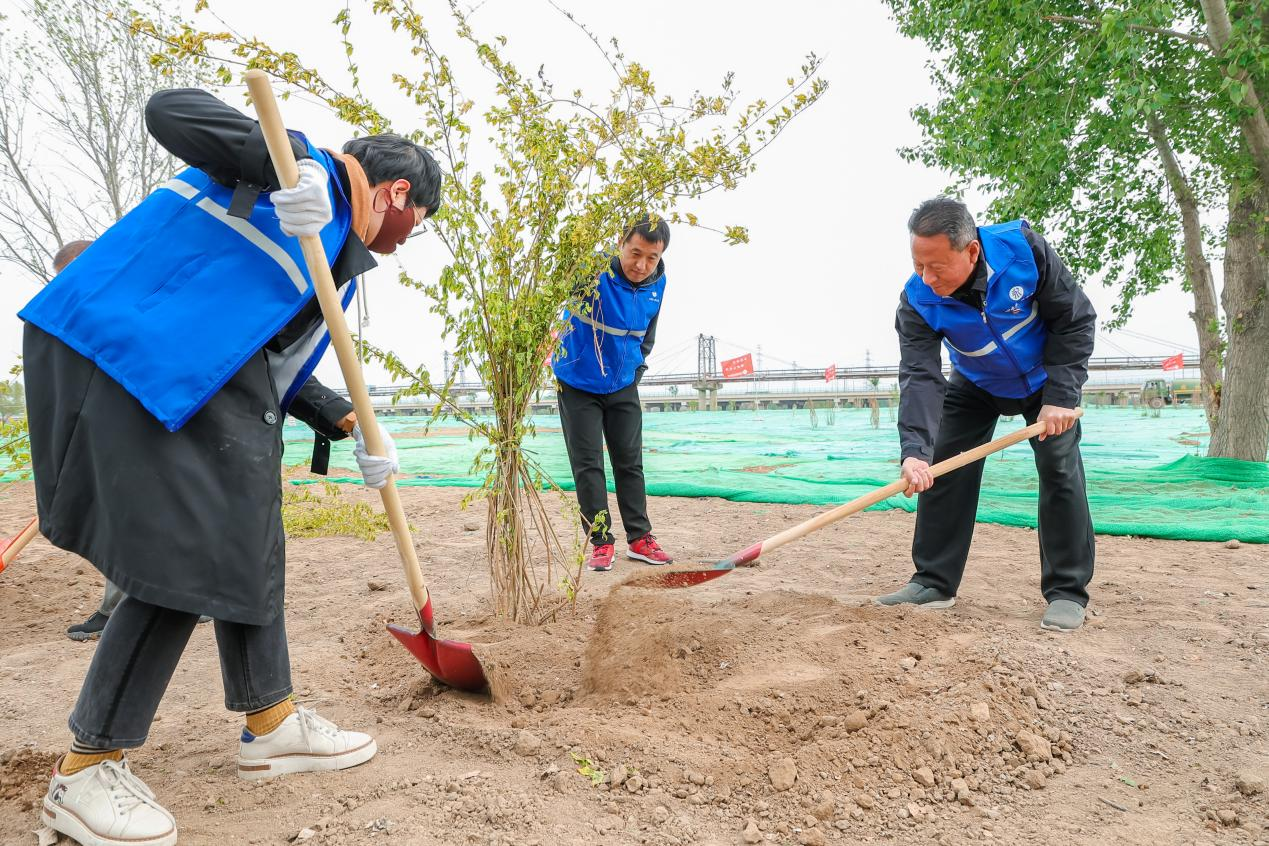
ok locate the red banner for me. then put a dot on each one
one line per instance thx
(1176, 362)
(831, 373)
(742, 366)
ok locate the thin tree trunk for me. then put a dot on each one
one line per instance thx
(1242, 429)
(1198, 273)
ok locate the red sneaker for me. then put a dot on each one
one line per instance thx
(648, 550)
(601, 558)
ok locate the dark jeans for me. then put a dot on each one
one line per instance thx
(588, 420)
(945, 513)
(137, 656)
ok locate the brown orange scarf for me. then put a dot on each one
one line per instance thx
(359, 194)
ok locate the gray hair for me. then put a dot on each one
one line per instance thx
(944, 216)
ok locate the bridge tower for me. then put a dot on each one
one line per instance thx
(707, 381)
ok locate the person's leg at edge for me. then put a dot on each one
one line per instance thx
(96, 622)
(945, 513)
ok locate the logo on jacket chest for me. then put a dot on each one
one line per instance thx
(1016, 293)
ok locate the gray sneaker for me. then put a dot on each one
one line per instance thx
(1063, 615)
(915, 594)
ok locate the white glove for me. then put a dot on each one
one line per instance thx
(375, 469)
(304, 209)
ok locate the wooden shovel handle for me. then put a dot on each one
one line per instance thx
(900, 485)
(328, 297)
(16, 545)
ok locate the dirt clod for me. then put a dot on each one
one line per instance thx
(783, 773)
(1249, 784)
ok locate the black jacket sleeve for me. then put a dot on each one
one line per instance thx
(649, 339)
(321, 408)
(921, 382)
(214, 137)
(1071, 324)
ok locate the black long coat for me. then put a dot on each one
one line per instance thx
(190, 519)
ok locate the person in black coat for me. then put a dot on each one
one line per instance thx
(188, 522)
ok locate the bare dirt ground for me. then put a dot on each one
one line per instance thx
(771, 706)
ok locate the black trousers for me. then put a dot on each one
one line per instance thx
(945, 513)
(588, 420)
(138, 654)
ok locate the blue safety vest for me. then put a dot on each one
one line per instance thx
(174, 298)
(1001, 348)
(601, 348)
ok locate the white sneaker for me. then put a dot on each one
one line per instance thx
(106, 805)
(304, 743)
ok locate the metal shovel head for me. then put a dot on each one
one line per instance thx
(709, 570)
(662, 579)
(450, 662)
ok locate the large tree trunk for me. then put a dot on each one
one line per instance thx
(1198, 273)
(1242, 428)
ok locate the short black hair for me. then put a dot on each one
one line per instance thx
(651, 228)
(68, 253)
(944, 216)
(386, 158)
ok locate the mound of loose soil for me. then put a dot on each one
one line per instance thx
(24, 775)
(770, 706)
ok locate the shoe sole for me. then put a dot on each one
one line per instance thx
(934, 605)
(1049, 627)
(599, 569)
(634, 556)
(254, 769)
(64, 822)
(80, 637)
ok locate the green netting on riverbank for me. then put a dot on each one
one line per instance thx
(1145, 473)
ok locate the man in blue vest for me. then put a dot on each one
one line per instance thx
(160, 366)
(1019, 332)
(602, 356)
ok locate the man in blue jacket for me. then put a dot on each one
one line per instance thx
(603, 354)
(1019, 332)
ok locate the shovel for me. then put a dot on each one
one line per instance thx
(449, 661)
(10, 547)
(747, 556)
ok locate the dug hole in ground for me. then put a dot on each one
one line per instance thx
(774, 705)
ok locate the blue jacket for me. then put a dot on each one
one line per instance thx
(609, 335)
(174, 298)
(1001, 348)
(1011, 348)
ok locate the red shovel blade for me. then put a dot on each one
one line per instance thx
(691, 578)
(450, 662)
(656, 579)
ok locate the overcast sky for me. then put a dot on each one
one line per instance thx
(826, 209)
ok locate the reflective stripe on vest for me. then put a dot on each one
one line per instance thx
(243, 228)
(595, 324)
(1009, 333)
